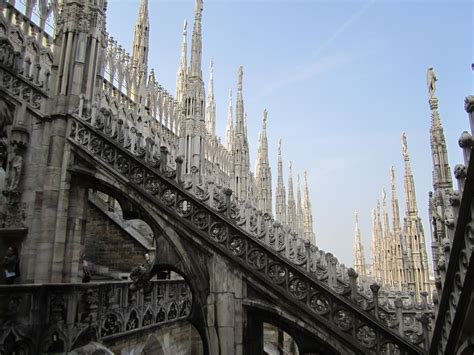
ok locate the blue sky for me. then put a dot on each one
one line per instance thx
(341, 81)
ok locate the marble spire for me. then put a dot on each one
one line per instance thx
(280, 194)
(211, 104)
(386, 242)
(358, 250)
(141, 38)
(442, 180)
(395, 207)
(192, 141)
(308, 231)
(229, 132)
(240, 145)
(397, 237)
(414, 233)
(299, 208)
(263, 175)
(196, 45)
(181, 76)
(291, 212)
(410, 197)
(375, 248)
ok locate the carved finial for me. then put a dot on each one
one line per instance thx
(279, 148)
(431, 80)
(384, 196)
(356, 215)
(265, 114)
(185, 27)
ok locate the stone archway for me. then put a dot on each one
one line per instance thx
(152, 347)
(276, 341)
(114, 245)
(307, 340)
(172, 252)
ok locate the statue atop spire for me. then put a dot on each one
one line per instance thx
(431, 80)
(442, 179)
(405, 146)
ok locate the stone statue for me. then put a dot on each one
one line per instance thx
(431, 82)
(14, 171)
(392, 175)
(240, 74)
(404, 144)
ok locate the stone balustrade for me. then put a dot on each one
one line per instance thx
(54, 318)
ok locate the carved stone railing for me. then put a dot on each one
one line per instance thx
(456, 264)
(61, 317)
(127, 90)
(308, 277)
(29, 53)
(43, 12)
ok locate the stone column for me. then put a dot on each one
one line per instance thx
(224, 308)
(52, 205)
(75, 236)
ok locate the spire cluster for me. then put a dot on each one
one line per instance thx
(204, 156)
(399, 256)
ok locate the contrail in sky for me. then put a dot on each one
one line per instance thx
(308, 70)
(344, 26)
